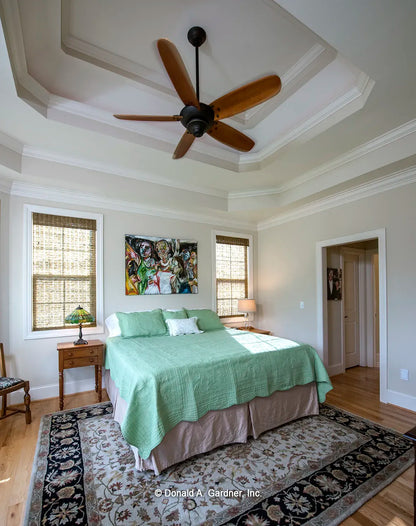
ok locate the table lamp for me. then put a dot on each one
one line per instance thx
(79, 315)
(246, 305)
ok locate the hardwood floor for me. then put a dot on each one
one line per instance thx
(17, 449)
(355, 391)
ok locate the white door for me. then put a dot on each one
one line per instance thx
(351, 309)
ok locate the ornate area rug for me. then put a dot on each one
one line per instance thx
(315, 471)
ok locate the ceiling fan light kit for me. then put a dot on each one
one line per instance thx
(199, 118)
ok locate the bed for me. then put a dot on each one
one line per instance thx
(178, 396)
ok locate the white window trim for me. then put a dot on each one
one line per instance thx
(237, 320)
(28, 292)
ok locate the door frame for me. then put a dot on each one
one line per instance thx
(372, 309)
(322, 311)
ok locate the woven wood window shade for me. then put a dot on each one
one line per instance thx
(63, 268)
(231, 274)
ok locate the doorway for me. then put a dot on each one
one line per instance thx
(371, 271)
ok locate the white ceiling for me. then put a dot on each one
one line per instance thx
(346, 112)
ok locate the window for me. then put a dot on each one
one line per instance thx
(232, 276)
(64, 271)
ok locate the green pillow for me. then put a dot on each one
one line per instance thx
(174, 314)
(208, 320)
(148, 323)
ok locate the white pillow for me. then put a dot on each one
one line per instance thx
(185, 326)
(113, 326)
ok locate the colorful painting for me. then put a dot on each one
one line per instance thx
(157, 265)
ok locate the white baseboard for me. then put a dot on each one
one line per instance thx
(52, 391)
(335, 369)
(401, 400)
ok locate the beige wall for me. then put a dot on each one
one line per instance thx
(287, 274)
(37, 359)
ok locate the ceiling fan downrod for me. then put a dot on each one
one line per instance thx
(197, 120)
(196, 37)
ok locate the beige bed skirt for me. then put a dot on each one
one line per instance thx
(225, 426)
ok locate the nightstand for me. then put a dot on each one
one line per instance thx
(71, 355)
(253, 329)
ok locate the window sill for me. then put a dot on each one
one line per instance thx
(235, 320)
(63, 333)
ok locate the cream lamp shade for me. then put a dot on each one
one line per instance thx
(246, 305)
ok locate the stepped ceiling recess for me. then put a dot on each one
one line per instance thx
(343, 124)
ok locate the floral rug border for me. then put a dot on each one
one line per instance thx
(78, 501)
(269, 511)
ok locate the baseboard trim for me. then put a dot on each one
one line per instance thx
(333, 370)
(400, 399)
(52, 391)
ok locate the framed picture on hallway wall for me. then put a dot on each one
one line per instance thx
(156, 265)
(334, 283)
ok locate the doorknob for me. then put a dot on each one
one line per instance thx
(345, 316)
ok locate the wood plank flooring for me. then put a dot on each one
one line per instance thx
(355, 391)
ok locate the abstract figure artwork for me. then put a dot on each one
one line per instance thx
(157, 265)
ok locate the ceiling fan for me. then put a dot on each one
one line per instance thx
(199, 118)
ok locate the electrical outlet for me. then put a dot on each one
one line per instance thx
(404, 374)
(301, 304)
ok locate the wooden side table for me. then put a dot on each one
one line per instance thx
(412, 435)
(254, 329)
(71, 355)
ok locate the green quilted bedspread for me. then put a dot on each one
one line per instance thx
(167, 379)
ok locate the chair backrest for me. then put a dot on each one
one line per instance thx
(2, 362)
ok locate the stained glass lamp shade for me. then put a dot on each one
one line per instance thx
(79, 315)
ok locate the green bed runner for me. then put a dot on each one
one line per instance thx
(168, 379)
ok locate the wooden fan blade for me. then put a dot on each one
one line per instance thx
(246, 97)
(177, 72)
(161, 118)
(184, 144)
(231, 137)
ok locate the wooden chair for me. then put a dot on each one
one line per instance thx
(9, 385)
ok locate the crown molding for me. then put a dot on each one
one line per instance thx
(316, 58)
(87, 117)
(303, 64)
(390, 137)
(97, 166)
(70, 197)
(5, 186)
(383, 184)
(11, 143)
(26, 86)
(371, 146)
(10, 153)
(330, 115)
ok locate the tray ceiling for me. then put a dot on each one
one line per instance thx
(347, 106)
(88, 60)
